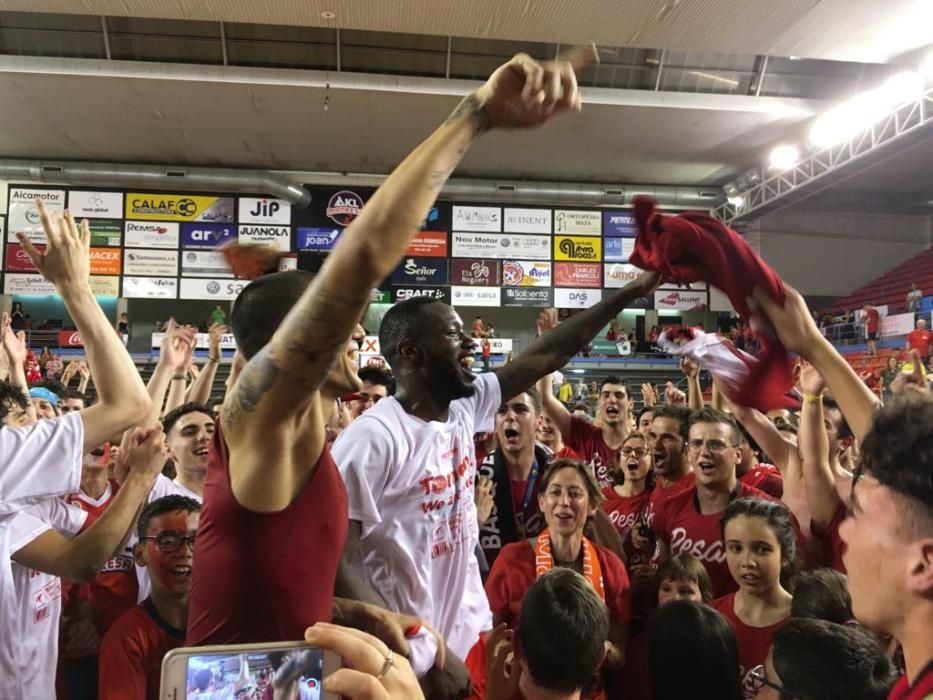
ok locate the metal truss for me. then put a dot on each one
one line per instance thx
(821, 170)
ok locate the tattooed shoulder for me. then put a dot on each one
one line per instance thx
(256, 378)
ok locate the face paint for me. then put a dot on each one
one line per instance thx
(171, 570)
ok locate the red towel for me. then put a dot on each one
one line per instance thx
(695, 247)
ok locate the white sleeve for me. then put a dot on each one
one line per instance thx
(41, 461)
(24, 528)
(486, 402)
(365, 455)
(67, 519)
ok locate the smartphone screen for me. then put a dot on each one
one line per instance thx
(279, 673)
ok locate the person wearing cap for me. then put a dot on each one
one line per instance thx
(45, 402)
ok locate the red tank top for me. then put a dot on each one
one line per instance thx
(265, 577)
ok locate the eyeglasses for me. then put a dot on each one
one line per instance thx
(713, 445)
(170, 542)
(637, 451)
(759, 676)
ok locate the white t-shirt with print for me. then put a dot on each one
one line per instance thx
(410, 484)
(39, 597)
(38, 462)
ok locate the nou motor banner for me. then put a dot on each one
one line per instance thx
(491, 245)
(178, 207)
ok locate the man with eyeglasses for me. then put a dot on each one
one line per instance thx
(131, 652)
(689, 521)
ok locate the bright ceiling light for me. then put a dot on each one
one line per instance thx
(737, 201)
(900, 88)
(784, 157)
(927, 67)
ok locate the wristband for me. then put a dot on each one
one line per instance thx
(179, 377)
(213, 359)
(813, 398)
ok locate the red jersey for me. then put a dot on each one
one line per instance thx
(683, 528)
(753, 643)
(623, 511)
(131, 654)
(514, 572)
(265, 577)
(661, 493)
(115, 589)
(872, 320)
(765, 477)
(567, 453)
(919, 340)
(831, 543)
(587, 441)
(922, 689)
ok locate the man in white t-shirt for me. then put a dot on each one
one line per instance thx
(44, 460)
(409, 465)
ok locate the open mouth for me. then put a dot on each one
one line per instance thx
(706, 467)
(750, 579)
(201, 452)
(659, 457)
(464, 364)
(612, 412)
(181, 570)
(632, 465)
(511, 434)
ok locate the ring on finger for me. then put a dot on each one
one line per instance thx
(387, 665)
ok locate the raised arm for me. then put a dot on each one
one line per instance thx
(552, 351)
(818, 477)
(122, 398)
(553, 408)
(798, 332)
(14, 344)
(200, 391)
(691, 371)
(176, 343)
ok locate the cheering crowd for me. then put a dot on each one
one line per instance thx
(464, 535)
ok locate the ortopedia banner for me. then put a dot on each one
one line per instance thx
(490, 245)
(528, 296)
(95, 205)
(478, 273)
(204, 263)
(428, 244)
(179, 207)
(22, 214)
(258, 210)
(578, 249)
(568, 274)
(70, 339)
(150, 234)
(227, 341)
(526, 273)
(279, 237)
(578, 222)
(474, 296)
(155, 262)
(17, 260)
(576, 298)
(683, 300)
(150, 287)
(620, 274)
(106, 261)
(210, 289)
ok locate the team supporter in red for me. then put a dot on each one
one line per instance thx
(667, 441)
(689, 521)
(596, 445)
(627, 499)
(131, 652)
(549, 436)
(919, 339)
(762, 476)
(872, 327)
(760, 550)
(569, 497)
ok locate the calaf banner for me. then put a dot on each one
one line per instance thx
(150, 287)
(178, 207)
(479, 273)
(22, 214)
(259, 210)
(155, 262)
(150, 234)
(578, 222)
(526, 273)
(488, 245)
(474, 296)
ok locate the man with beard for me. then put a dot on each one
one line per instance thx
(409, 462)
(596, 444)
(667, 441)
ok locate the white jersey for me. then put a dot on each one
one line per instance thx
(39, 462)
(38, 597)
(410, 484)
(716, 355)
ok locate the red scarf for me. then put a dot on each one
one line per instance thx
(695, 247)
(592, 571)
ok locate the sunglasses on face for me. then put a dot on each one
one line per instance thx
(171, 541)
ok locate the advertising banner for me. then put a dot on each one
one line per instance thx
(438, 218)
(568, 274)
(403, 293)
(497, 346)
(317, 239)
(105, 286)
(527, 220)
(202, 342)
(526, 273)
(106, 261)
(344, 206)
(106, 233)
(610, 348)
(485, 245)
(253, 210)
(150, 287)
(17, 260)
(479, 273)
(428, 244)
(528, 296)
(204, 263)
(279, 237)
(577, 222)
(619, 223)
(150, 234)
(431, 271)
(576, 298)
(27, 284)
(474, 296)
(898, 324)
(70, 339)
(683, 300)
(287, 262)
(620, 274)
(335, 207)
(95, 205)
(470, 218)
(618, 249)
(155, 263)
(179, 207)
(210, 289)
(206, 235)
(22, 214)
(578, 249)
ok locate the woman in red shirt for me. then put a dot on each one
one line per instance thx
(568, 499)
(633, 479)
(760, 551)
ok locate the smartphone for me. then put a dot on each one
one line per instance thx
(272, 671)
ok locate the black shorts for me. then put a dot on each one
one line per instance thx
(873, 336)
